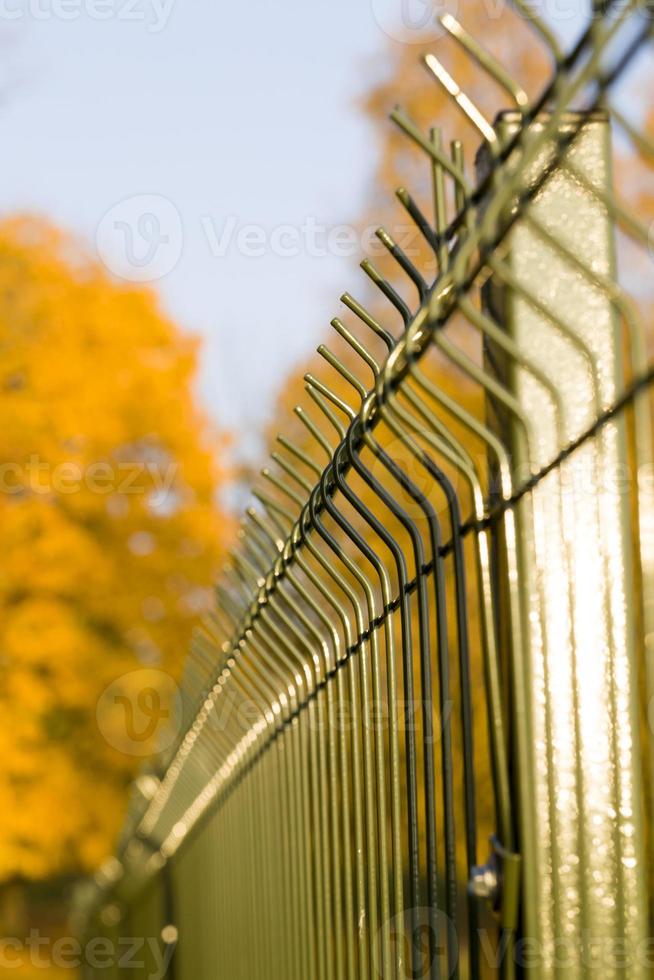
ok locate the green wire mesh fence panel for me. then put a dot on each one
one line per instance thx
(415, 730)
(132, 936)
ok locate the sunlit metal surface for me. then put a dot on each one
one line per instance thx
(456, 557)
(577, 565)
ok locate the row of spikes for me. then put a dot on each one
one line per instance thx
(264, 537)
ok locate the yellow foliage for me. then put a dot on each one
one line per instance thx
(110, 529)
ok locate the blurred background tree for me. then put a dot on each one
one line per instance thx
(111, 532)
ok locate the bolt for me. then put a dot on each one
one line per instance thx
(484, 881)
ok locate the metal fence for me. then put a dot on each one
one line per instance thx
(416, 733)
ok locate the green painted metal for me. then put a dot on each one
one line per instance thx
(577, 592)
(414, 730)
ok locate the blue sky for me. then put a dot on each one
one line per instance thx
(223, 134)
(224, 114)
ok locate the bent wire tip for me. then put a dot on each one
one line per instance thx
(449, 22)
(440, 72)
(385, 238)
(455, 92)
(485, 60)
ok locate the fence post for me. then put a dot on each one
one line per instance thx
(585, 896)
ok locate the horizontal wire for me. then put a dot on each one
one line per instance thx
(497, 510)
(426, 569)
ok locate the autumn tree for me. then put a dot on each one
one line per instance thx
(111, 535)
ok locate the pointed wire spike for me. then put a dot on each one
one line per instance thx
(350, 377)
(467, 106)
(485, 60)
(326, 410)
(277, 482)
(417, 216)
(404, 262)
(389, 292)
(286, 466)
(338, 365)
(440, 206)
(369, 320)
(248, 572)
(275, 541)
(353, 304)
(254, 551)
(385, 238)
(370, 271)
(407, 125)
(343, 331)
(458, 156)
(271, 505)
(313, 429)
(299, 454)
(327, 392)
(357, 346)
(442, 74)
